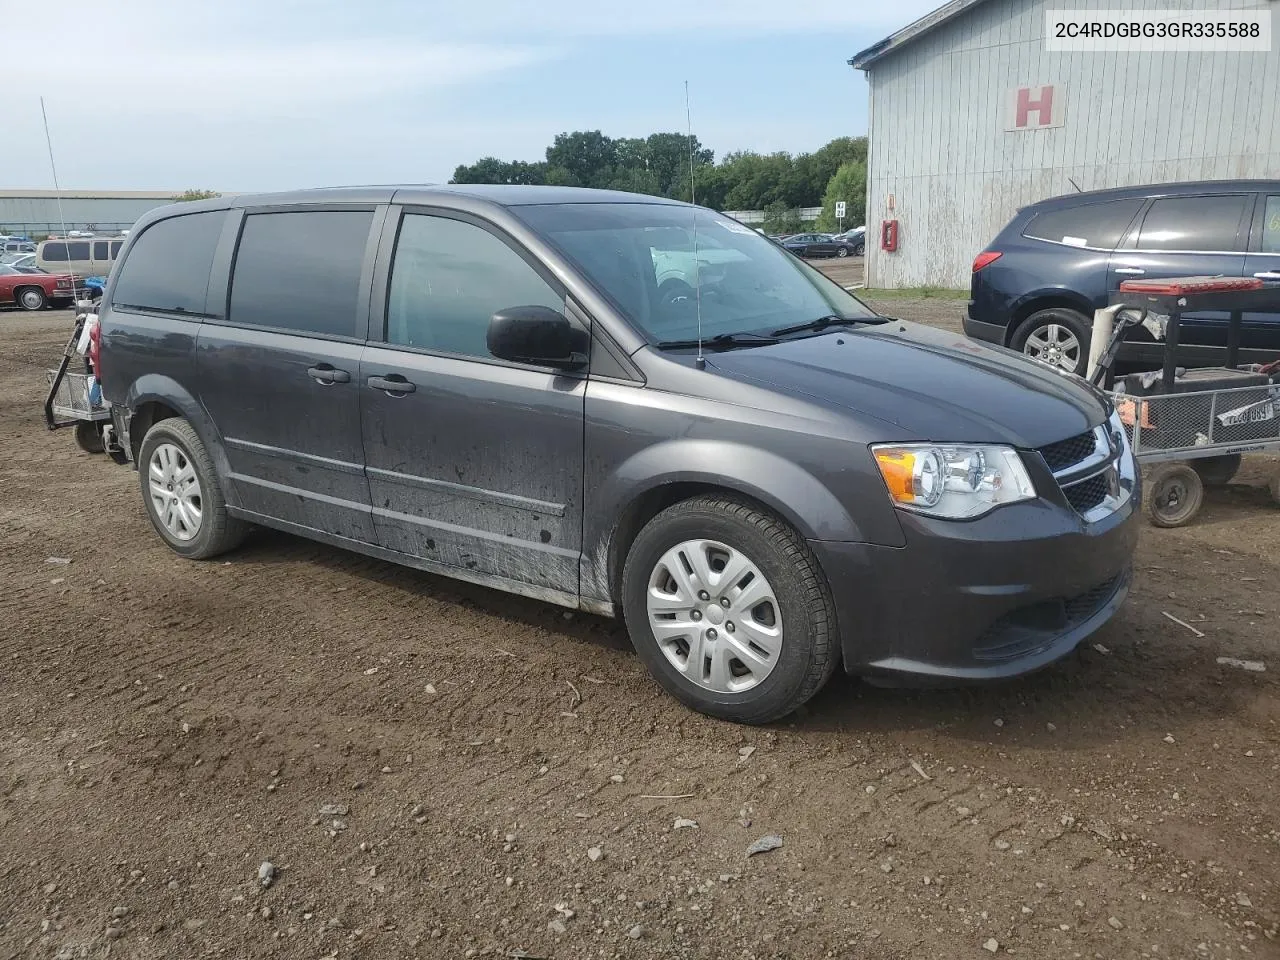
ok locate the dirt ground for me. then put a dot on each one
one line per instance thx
(436, 770)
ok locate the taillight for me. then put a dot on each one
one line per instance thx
(985, 258)
(95, 349)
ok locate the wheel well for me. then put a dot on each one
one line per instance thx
(17, 291)
(647, 506)
(1044, 303)
(146, 416)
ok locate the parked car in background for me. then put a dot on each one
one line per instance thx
(856, 236)
(82, 257)
(482, 382)
(34, 291)
(17, 245)
(26, 263)
(819, 245)
(1036, 286)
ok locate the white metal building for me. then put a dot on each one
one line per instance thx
(971, 118)
(37, 211)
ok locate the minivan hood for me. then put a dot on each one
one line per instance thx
(931, 384)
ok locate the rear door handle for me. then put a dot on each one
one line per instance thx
(1131, 271)
(1268, 275)
(392, 383)
(327, 373)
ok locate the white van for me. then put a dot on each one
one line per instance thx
(85, 258)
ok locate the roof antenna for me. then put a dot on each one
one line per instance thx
(57, 189)
(700, 361)
(1072, 181)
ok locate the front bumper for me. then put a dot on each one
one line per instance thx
(995, 597)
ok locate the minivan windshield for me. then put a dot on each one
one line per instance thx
(642, 257)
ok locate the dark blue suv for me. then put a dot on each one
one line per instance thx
(1036, 286)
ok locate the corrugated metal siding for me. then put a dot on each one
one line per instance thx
(939, 147)
(79, 212)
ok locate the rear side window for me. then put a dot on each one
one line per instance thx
(1097, 225)
(168, 265)
(54, 252)
(1193, 223)
(115, 248)
(100, 250)
(300, 271)
(78, 250)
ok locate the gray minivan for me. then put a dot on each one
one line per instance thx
(765, 478)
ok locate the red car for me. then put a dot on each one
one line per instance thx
(34, 291)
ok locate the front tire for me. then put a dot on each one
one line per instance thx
(1058, 336)
(181, 492)
(842, 251)
(728, 609)
(32, 298)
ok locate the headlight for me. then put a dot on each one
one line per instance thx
(954, 482)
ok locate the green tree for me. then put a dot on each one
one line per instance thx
(588, 156)
(196, 195)
(850, 185)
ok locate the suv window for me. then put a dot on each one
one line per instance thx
(1097, 225)
(100, 250)
(1271, 225)
(1193, 223)
(300, 271)
(168, 265)
(449, 278)
(55, 251)
(78, 251)
(115, 248)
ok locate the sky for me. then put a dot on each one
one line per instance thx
(244, 95)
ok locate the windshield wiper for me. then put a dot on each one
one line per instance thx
(831, 320)
(721, 341)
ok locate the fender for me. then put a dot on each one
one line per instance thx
(782, 486)
(157, 388)
(1060, 294)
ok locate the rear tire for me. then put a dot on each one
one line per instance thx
(1058, 336)
(788, 609)
(32, 298)
(1173, 494)
(197, 527)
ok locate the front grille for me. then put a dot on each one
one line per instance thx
(1087, 494)
(1067, 453)
(1034, 627)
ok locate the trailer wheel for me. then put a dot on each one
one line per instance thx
(1173, 494)
(1217, 471)
(89, 436)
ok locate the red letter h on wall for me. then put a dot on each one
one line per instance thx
(1043, 107)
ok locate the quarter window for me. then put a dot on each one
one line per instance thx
(1271, 225)
(1096, 225)
(1209, 224)
(301, 271)
(449, 278)
(168, 265)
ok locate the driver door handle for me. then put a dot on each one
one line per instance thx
(1131, 271)
(392, 383)
(1268, 275)
(327, 373)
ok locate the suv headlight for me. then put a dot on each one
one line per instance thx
(953, 482)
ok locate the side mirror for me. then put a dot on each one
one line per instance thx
(536, 335)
